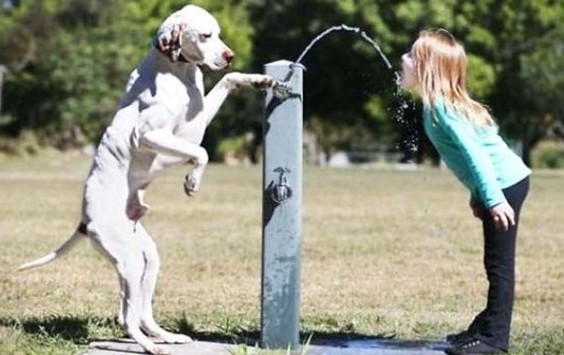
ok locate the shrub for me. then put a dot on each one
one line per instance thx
(25, 144)
(548, 155)
(236, 150)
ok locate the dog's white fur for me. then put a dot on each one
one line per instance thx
(160, 123)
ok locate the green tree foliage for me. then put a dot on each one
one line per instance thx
(543, 75)
(347, 86)
(69, 60)
(509, 42)
(529, 38)
(71, 67)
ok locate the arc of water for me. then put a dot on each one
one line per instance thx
(344, 27)
(281, 88)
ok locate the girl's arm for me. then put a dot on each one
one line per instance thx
(465, 137)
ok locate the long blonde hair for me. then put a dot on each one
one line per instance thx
(440, 67)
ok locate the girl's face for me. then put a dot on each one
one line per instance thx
(408, 76)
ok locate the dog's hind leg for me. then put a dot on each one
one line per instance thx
(120, 317)
(129, 261)
(132, 273)
(112, 257)
(148, 283)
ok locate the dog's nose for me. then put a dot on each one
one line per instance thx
(228, 55)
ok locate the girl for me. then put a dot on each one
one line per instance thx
(466, 137)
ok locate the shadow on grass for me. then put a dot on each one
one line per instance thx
(76, 330)
(64, 327)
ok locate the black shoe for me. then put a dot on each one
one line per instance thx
(472, 346)
(456, 338)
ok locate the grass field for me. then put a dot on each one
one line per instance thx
(384, 253)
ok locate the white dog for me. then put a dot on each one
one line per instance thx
(160, 123)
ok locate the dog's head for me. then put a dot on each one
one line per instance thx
(192, 34)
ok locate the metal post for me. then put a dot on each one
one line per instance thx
(282, 215)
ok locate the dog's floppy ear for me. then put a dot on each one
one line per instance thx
(169, 38)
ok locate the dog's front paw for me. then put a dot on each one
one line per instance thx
(172, 338)
(158, 350)
(258, 81)
(193, 180)
(191, 185)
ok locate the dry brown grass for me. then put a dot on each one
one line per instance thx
(383, 252)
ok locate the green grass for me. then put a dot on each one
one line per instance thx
(384, 253)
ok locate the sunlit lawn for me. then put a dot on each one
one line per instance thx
(384, 252)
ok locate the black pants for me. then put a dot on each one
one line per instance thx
(493, 324)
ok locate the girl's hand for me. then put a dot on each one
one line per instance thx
(503, 216)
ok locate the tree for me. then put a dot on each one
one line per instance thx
(543, 77)
(347, 86)
(508, 42)
(2, 73)
(69, 60)
(530, 74)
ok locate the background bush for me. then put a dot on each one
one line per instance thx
(548, 155)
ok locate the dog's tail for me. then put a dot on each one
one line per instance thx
(78, 234)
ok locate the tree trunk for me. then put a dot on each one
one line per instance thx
(2, 71)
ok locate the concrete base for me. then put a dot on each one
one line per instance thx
(127, 346)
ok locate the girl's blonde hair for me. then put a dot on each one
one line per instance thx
(440, 66)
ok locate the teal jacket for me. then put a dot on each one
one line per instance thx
(477, 155)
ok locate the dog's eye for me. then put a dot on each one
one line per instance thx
(204, 36)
